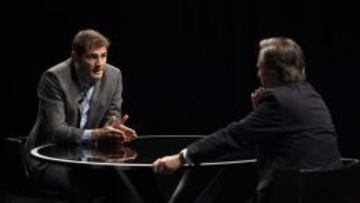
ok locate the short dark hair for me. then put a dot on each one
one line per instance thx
(284, 56)
(88, 39)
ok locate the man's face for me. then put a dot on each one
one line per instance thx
(260, 75)
(265, 75)
(260, 69)
(92, 63)
(268, 78)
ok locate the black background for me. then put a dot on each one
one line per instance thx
(188, 66)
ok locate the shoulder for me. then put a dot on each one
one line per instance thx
(276, 96)
(290, 90)
(112, 73)
(62, 69)
(59, 73)
(269, 94)
(293, 94)
(112, 69)
(64, 66)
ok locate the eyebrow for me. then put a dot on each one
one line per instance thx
(96, 54)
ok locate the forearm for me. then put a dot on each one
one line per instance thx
(66, 134)
(217, 143)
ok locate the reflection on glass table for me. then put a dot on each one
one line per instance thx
(112, 154)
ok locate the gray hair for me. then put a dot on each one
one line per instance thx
(284, 56)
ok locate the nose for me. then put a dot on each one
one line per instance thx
(99, 61)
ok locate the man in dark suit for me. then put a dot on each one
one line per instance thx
(290, 124)
(78, 101)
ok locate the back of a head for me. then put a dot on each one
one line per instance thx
(87, 40)
(284, 56)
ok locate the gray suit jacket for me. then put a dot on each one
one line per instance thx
(58, 114)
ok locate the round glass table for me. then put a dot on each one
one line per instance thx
(139, 153)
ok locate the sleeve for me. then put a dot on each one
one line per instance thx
(52, 108)
(263, 123)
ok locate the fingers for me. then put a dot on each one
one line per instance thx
(167, 164)
(110, 121)
(155, 165)
(252, 95)
(126, 129)
(129, 134)
(117, 127)
(115, 132)
(126, 135)
(256, 95)
(124, 119)
(258, 92)
(160, 167)
(114, 121)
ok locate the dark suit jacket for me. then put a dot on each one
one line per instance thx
(291, 127)
(59, 97)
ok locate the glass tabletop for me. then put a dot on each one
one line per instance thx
(140, 153)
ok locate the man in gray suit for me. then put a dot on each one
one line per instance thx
(290, 124)
(78, 101)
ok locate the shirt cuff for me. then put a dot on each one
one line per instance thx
(184, 154)
(86, 137)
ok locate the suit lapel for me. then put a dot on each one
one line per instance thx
(74, 93)
(94, 109)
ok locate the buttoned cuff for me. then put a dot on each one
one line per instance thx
(185, 156)
(86, 137)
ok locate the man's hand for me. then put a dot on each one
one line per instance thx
(127, 133)
(107, 133)
(168, 164)
(256, 95)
